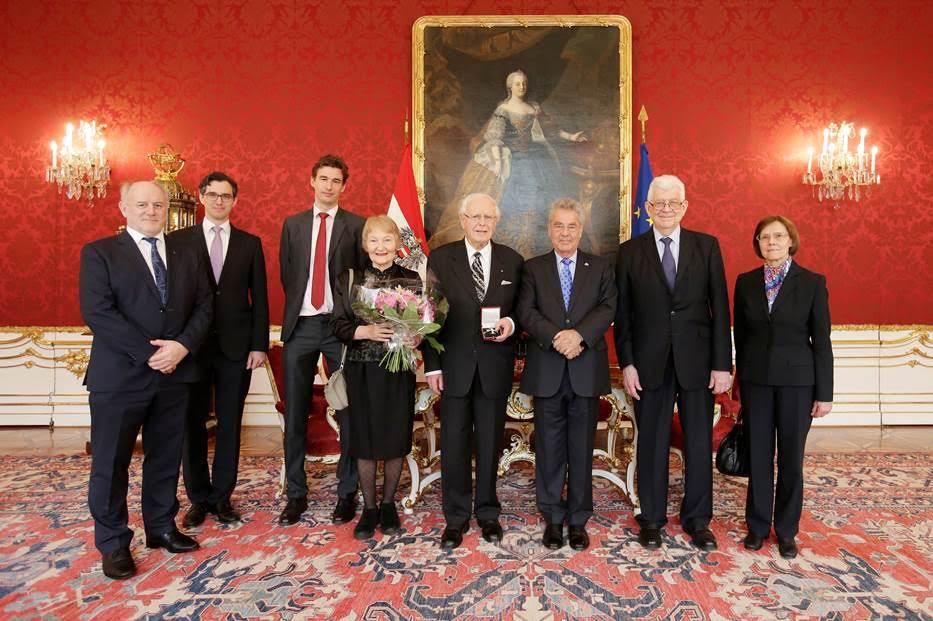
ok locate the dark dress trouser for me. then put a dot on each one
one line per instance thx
(465, 420)
(116, 419)
(229, 380)
(311, 337)
(654, 413)
(565, 430)
(781, 412)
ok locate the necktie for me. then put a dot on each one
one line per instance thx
(479, 283)
(158, 267)
(217, 253)
(318, 274)
(667, 263)
(566, 281)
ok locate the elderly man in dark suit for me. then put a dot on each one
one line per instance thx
(672, 340)
(148, 302)
(237, 344)
(317, 245)
(474, 372)
(567, 302)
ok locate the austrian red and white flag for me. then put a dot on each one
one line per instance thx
(405, 210)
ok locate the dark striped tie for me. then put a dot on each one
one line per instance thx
(158, 268)
(479, 283)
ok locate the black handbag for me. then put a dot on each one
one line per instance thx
(732, 456)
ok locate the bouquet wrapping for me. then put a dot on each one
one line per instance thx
(412, 307)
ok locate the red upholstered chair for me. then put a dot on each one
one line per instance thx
(323, 439)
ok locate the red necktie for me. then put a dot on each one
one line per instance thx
(319, 273)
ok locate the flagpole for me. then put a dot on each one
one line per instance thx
(642, 116)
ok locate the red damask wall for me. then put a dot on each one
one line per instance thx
(735, 91)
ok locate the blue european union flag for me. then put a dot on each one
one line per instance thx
(640, 221)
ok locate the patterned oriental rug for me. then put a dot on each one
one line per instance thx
(866, 553)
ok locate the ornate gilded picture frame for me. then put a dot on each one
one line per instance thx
(527, 109)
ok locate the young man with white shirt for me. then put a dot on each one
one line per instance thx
(147, 300)
(317, 244)
(236, 345)
(473, 374)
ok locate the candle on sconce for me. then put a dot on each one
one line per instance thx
(825, 140)
(861, 143)
(845, 140)
(54, 148)
(874, 152)
(861, 153)
(810, 160)
(100, 151)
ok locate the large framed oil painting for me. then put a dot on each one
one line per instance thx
(527, 109)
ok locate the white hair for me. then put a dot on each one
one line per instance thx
(469, 198)
(125, 189)
(567, 204)
(667, 182)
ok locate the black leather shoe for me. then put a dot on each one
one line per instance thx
(195, 515)
(174, 541)
(578, 538)
(389, 523)
(703, 538)
(787, 548)
(650, 538)
(553, 537)
(366, 527)
(492, 530)
(225, 512)
(293, 510)
(452, 536)
(753, 541)
(345, 510)
(119, 565)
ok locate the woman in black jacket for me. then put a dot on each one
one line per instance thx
(381, 403)
(784, 361)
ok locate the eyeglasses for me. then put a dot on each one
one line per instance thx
(213, 196)
(573, 228)
(778, 237)
(672, 205)
(480, 217)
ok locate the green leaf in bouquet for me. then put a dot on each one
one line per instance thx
(410, 313)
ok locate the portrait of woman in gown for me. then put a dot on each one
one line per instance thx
(514, 162)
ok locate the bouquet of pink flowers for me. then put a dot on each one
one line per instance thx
(412, 308)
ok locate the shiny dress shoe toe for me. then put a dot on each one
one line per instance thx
(293, 510)
(787, 548)
(345, 510)
(753, 541)
(174, 541)
(578, 538)
(492, 530)
(118, 565)
(389, 523)
(703, 538)
(225, 512)
(452, 536)
(650, 538)
(194, 516)
(553, 537)
(366, 527)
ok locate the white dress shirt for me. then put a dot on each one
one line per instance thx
(675, 244)
(209, 235)
(306, 308)
(145, 248)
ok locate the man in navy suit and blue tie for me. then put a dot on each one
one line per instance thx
(566, 303)
(235, 346)
(148, 302)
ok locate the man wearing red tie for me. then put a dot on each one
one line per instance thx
(316, 246)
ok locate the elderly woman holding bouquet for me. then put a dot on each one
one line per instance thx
(381, 402)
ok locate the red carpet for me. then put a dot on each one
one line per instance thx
(866, 553)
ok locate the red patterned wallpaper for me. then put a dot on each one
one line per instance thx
(735, 91)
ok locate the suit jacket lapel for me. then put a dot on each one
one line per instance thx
(495, 276)
(790, 281)
(305, 231)
(650, 248)
(760, 295)
(581, 278)
(335, 234)
(138, 263)
(461, 267)
(233, 246)
(686, 258)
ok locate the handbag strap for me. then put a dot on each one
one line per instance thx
(343, 356)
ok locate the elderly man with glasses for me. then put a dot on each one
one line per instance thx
(673, 344)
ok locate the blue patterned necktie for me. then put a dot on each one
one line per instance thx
(566, 281)
(667, 263)
(158, 267)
